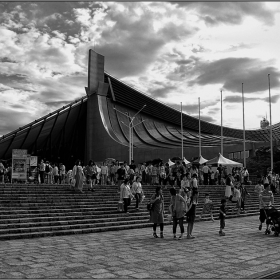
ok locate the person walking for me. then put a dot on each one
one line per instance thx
(205, 170)
(222, 216)
(89, 172)
(157, 211)
(143, 172)
(62, 172)
(244, 193)
(125, 194)
(177, 208)
(2, 173)
(266, 200)
(137, 191)
(78, 176)
(192, 202)
(104, 174)
(55, 173)
(121, 175)
(42, 172)
(229, 185)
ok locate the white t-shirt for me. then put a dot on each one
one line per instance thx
(194, 183)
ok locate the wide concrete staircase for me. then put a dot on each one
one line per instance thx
(47, 210)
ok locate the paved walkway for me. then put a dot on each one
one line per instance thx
(244, 252)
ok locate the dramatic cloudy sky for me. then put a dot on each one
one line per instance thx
(175, 52)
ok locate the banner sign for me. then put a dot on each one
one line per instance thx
(33, 160)
(19, 164)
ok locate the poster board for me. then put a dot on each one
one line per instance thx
(19, 164)
(33, 161)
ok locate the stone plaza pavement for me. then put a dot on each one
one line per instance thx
(244, 252)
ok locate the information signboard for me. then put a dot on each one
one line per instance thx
(19, 164)
(33, 160)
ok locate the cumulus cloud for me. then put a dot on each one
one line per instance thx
(232, 72)
(238, 99)
(206, 118)
(134, 34)
(193, 108)
(214, 13)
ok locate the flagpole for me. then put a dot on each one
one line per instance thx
(182, 131)
(244, 157)
(271, 144)
(222, 122)
(199, 128)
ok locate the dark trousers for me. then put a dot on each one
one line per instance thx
(205, 178)
(42, 176)
(160, 226)
(181, 224)
(55, 179)
(126, 203)
(137, 198)
(144, 177)
(242, 204)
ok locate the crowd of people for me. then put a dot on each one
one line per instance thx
(183, 182)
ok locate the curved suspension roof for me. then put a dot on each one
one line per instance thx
(160, 129)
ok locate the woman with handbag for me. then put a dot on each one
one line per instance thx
(177, 208)
(78, 176)
(125, 194)
(157, 211)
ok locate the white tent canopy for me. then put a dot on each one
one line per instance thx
(223, 161)
(170, 163)
(186, 161)
(200, 160)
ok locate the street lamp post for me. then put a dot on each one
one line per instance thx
(222, 144)
(244, 147)
(271, 140)
(130, 130)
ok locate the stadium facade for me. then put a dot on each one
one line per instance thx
(93, 127)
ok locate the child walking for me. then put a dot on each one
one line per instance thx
(207, 207)
(222, 216)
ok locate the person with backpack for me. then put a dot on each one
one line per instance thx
(157, 212)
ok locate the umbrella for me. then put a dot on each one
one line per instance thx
(186, 161)
(176, 158)
(170, 163)
(156, 160)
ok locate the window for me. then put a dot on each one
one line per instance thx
(246, 154)
(236, 155)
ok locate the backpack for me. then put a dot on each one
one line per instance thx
(47, 168)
